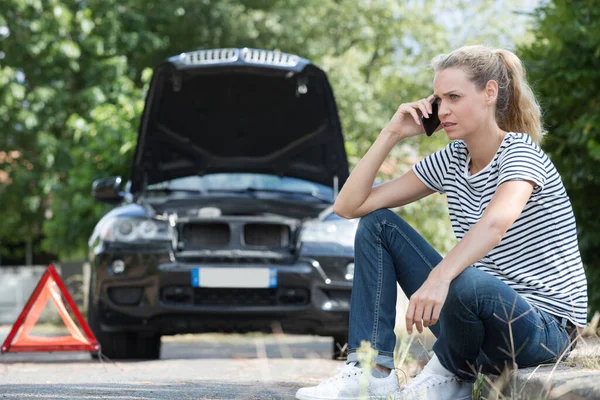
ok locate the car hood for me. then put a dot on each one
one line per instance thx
(239, 110)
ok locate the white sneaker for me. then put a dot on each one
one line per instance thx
(347, 384)
(435, 383)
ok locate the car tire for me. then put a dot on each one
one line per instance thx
(340, 346)
(123, 345)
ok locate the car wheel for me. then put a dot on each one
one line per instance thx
(123, 345)
(340, 347)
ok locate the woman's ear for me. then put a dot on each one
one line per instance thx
(491, 92)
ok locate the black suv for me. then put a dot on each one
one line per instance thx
(226, 222)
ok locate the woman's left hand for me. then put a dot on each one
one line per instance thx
(426, 304)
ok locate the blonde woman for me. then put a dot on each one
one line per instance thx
(516, 266)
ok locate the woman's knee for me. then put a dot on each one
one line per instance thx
(471, 287)
(374, 220)
(462, 290)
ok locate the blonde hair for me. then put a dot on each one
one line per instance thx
(517, 109)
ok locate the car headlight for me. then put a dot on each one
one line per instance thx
(338, 231)
(139, 230)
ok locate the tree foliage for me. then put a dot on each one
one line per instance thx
(74, 75)
(564, 67)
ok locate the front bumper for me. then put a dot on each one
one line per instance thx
(155, 294)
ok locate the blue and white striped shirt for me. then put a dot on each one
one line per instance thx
(539, 255)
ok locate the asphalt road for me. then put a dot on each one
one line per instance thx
(191, 367)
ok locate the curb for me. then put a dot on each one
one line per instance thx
(576, 378)
(565, 383)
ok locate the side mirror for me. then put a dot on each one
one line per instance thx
(108, 189)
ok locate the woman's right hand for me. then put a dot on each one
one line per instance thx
(406, 122)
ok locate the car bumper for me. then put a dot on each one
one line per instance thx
(155, 294)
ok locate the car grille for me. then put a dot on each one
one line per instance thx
(235, 297)
(267, 235)
(250, 297)
(209, 235)
(219, 235)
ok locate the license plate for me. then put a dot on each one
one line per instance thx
(234, 277)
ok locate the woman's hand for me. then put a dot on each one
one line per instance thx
(406, 122)
(426, 304)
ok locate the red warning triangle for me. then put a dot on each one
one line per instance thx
(51, 287)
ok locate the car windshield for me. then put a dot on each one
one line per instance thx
(239, 182)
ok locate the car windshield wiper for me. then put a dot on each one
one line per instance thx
(251, 189)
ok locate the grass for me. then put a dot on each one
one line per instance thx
(507, 385)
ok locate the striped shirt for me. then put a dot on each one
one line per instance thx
(539, 255)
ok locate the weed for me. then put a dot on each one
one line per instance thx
(366, 358)
(506, 385)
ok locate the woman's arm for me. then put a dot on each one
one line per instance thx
(358, 197)
(503, 210)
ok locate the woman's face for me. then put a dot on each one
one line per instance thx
(463, 109)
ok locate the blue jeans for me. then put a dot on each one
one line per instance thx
(473, 332)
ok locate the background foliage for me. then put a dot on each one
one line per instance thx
(564, 67)
(73, 76)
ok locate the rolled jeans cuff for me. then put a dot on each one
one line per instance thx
(380, 359)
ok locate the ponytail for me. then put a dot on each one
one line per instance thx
(523, 113)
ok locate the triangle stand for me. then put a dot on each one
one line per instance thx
(50, 287)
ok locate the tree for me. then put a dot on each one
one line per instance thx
(74, 74)
(564, 66)
(75, 71)
(69, 85)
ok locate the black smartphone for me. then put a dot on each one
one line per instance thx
(430, 124)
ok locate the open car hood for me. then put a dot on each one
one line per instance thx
(239, 110)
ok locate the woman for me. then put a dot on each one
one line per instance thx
(513, 286)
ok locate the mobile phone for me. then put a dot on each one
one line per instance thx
(430, 124)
